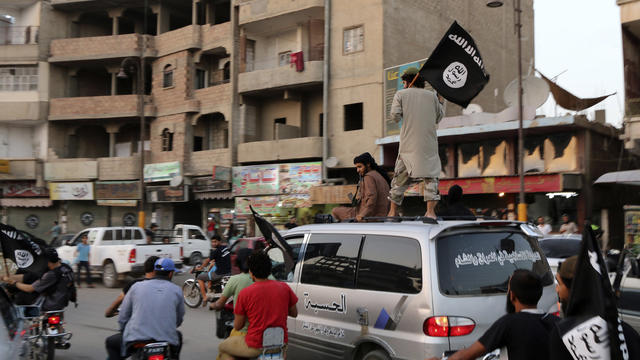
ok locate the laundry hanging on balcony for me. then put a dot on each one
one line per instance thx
(297, 59)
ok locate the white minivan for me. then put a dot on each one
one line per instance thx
(194, 241)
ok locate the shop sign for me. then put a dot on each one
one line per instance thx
(113, 190)
(295, 201)
(505, 184)
(5, 168)
(167, 194)
(393, 83)
(221, 173)
(123, 203)
(161, 171)
(255, 180)
(24, 189)
(71, 191)
(299, 178)
(206, 184)
(262, 204)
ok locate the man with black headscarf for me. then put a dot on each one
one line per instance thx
(455, 206)
(371, 198)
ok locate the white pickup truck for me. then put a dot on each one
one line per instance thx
(195, 243)
(119, 251)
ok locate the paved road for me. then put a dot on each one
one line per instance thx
(90, 328)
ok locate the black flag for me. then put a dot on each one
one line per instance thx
(274, 239)
(455, 68)
(592, 328)
(24, 249)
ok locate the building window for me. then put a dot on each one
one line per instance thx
(21, 78)
(201, 79)
(167, 76)
(353, 117)
(284, 58)
(330, 260)
(167, 140)
(320, 123)
(353, 39)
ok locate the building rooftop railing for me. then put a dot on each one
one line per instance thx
(19, 35)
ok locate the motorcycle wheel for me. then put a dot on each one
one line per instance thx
(191, 294)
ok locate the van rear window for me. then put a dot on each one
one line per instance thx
(481, 263)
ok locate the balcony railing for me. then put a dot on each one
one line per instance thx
(18, 35)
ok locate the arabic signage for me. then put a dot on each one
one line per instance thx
(505, 184)
(71, 191)
(122, 203)
(295, 201)
(166, 194)
(5, 168)
(117, 190)
(299, 178)
(24, 189)
(221, 173)
(393, 83)
(161, 171)
(206, 184)
(255, 180)
(262, 204)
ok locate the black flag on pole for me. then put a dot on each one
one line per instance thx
(592, 328)
(273, 238)
(24, 249)
(455, 68)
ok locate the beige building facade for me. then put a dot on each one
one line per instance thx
(231, 83)
(630, 23)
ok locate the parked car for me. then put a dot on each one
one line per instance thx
(119, 251)
(243, 243)
(559, 247)
(194, 241)
(61, 240)
(12, 337)
(407, 290)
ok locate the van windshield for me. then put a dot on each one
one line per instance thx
(482, 262)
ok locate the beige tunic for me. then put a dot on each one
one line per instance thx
(420, 112)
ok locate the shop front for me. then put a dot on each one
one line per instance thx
(215, 199)
(78, 209)
(120, 200)
(27, 206)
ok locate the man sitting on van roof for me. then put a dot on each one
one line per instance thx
(524, 330)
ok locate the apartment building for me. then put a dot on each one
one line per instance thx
(630, 24)
(228, 83)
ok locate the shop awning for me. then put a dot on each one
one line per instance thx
(213, 195)
(630, 177)
(26, 202)
(541, 183)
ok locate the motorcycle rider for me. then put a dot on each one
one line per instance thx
(49, 286)
(221, 258)
(149, 273)
(152, 310)
(266, 303)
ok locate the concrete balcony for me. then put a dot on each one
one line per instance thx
(202, 162)
(119, 168)
(12, 54)
(282, 77)
(22, 169)
(217, 36)
(22, 105)
(215, 98)
(70, 169)
(186, 38)
(101, 47)
(274, 14)
(97, 107)
(289, 149)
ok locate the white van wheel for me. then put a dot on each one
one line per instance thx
(376, 355)
(195, 258)
(109, 275)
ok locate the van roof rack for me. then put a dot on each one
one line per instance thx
(424, 219)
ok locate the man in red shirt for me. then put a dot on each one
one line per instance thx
(266, 303)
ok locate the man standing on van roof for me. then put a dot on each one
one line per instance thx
(524, 331)
(420, 111)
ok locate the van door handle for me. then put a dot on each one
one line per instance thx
(158, 250)
(363, 316)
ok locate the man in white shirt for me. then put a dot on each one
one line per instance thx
(544, 228)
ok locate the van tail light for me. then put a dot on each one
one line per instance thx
(54, 320)
(444, 326)
(181, 252)
(132, 256)
(156, 357)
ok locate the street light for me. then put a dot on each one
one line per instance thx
(522, 205)
(130, 65)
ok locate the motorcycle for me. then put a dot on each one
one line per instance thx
(224, 321)
(45, 333)
(191, 289)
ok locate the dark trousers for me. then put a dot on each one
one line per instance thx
(114, 348)
(85, 265)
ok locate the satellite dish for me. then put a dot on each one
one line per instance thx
(331, 161)
(472, 109)
(535, 92)
(176, 181)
